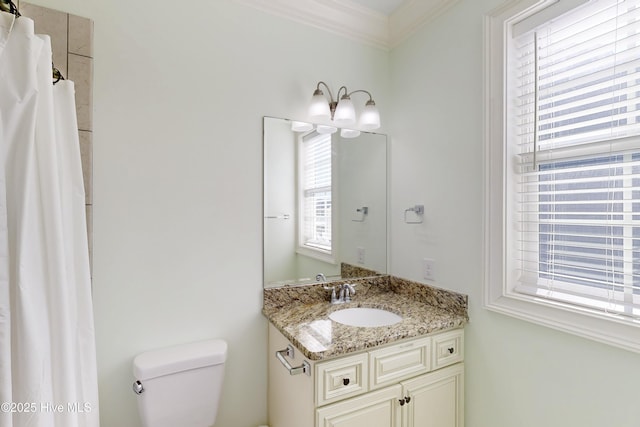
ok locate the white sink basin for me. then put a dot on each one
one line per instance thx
(365, 317)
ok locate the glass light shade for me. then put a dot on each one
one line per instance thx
(349, 133)
(325, 129)
(370, 117)
(301, 126)
(345, 114)
(319, 107)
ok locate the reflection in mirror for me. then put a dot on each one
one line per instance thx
(325, 204)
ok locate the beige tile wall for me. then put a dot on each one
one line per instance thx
(72, 44)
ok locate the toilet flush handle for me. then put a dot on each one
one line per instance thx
(137, 387)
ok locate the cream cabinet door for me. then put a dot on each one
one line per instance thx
(379, 408)
(435, 399)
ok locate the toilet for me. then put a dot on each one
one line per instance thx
(180, 385)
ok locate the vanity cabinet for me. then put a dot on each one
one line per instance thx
(374, 409)
(417, 382)
(436, 399)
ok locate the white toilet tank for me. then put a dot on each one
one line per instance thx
(180, 385)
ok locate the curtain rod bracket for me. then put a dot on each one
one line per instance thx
(10, 7)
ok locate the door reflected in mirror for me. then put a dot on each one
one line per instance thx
(325, 204)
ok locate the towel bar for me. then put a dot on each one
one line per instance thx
(304, 368)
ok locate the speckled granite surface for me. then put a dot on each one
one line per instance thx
(352, 271)
(301, 313)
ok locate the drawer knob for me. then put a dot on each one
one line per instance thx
(345, 381)
(451, 350)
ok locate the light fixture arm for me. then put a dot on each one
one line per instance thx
(360, 90)
(332, 103)
(345, 92)
(318, 90)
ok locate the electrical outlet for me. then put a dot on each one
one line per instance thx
(360, 255)
(427, 269)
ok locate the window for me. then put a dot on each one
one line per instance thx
(315, 229)
(563, 211)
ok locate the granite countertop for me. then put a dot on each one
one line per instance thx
(301, 313)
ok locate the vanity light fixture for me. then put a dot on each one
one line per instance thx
(325, 129)
(301, 126)
(349, 133)
(342, 112)
(321, 129)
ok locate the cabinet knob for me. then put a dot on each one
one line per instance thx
(407, 399)
(451, 350)
(345, 381)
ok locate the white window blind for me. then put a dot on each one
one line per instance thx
(315, 193)
(574, 88)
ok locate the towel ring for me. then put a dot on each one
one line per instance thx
(419, 210)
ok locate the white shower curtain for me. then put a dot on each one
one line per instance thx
(47, 346)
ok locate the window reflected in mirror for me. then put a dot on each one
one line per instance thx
(325, 204)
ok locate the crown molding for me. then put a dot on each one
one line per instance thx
(354, 21)
(340, 17)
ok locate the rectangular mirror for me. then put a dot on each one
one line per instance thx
(325, 204)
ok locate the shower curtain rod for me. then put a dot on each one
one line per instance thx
(10, 7)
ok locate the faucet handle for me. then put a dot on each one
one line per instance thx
(347, 290)
(334, 297)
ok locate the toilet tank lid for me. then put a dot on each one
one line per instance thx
(171, 360)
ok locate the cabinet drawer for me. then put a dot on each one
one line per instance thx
(391, 364)
(448, 348)
(338, 379)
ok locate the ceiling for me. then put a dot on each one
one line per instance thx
(380, 23)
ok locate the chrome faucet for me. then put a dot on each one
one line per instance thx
(346, 290)
(321, 278)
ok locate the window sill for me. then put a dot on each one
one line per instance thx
(316, 254)
(608, 329)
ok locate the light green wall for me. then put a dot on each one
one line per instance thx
(517, 374)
